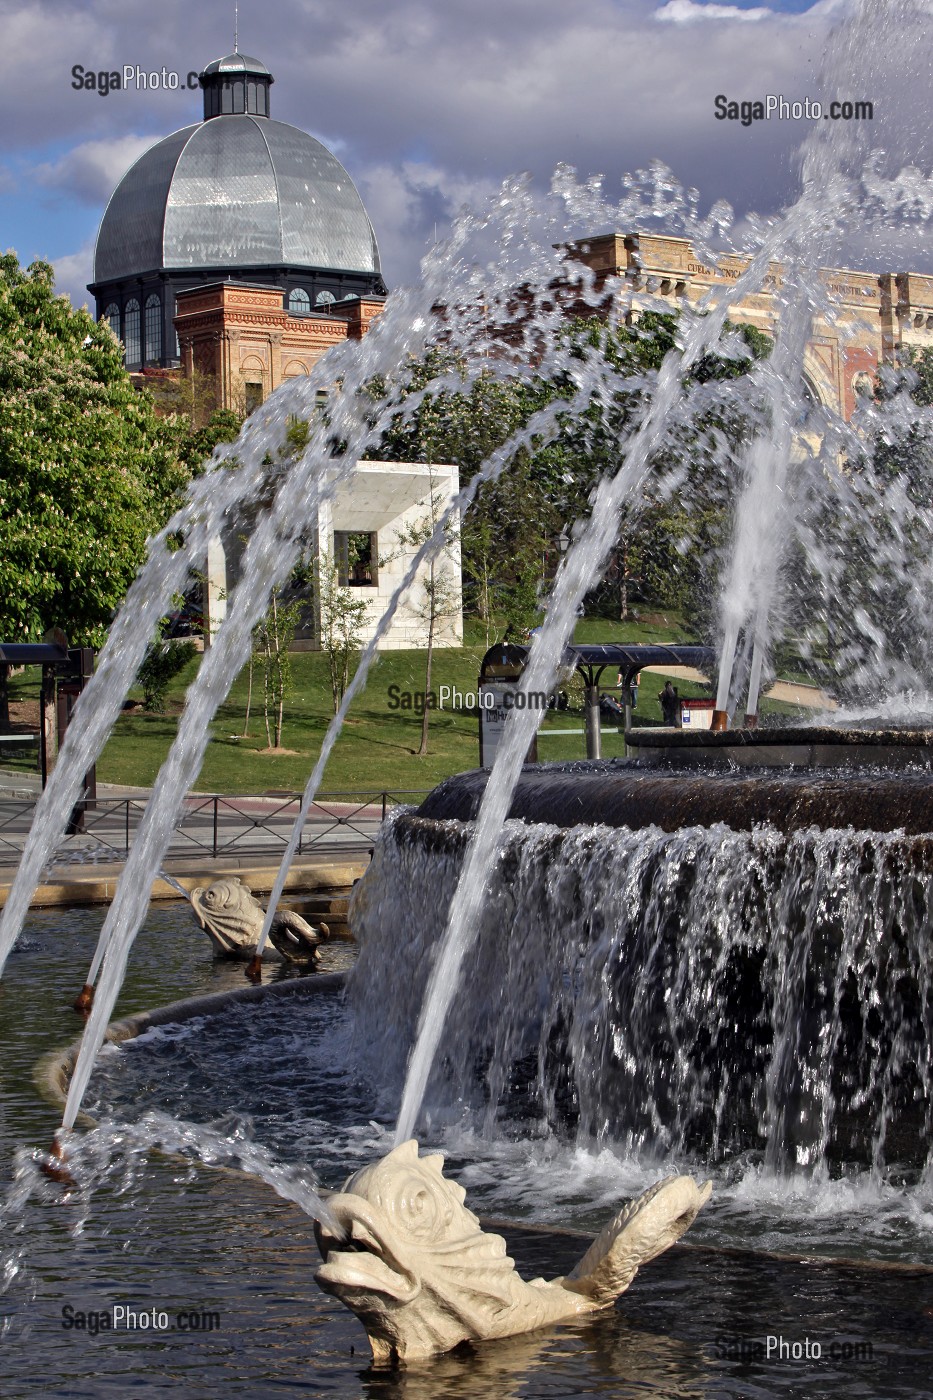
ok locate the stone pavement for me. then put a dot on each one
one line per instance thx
(84, 874)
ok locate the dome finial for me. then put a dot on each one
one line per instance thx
(236, 28)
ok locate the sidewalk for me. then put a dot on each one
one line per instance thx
(82, 879)
(307, 876)
(808, 697)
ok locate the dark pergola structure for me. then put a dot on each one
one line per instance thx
(65, 672)
(507, 661)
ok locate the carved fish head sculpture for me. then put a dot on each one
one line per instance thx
(229, 914)
(417, 1269)
(422, 1275)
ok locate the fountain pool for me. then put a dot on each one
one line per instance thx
(180, 1237)
(603, 1005)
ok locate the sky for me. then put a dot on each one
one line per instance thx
(431, 104)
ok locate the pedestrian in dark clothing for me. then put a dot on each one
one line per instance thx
(610, 709)
(669, 704)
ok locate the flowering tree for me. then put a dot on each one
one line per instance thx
(87, 469)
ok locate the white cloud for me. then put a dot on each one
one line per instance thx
(91, 170)
(72, 274)
(688, 12)
(411, 203)
(429, 105)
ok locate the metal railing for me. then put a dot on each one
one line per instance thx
(215, 825)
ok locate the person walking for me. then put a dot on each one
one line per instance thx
(670, 704)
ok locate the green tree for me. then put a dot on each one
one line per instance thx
(87, 469)
(195, 445)
(163, 661)
(271, 642)
(341, 618)
(510, 533)
(866, 583)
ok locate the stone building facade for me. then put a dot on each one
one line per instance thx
(878, 315)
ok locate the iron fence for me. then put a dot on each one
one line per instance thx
(215, 825)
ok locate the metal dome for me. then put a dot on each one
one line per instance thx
(235, 191)
(235, 62)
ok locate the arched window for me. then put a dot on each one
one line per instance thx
(153, 330)
(132, 334)
(112, 316)
(324, 299)
(299, 303)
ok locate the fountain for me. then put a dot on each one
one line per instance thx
(642, 968)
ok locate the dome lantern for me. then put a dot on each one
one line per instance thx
(236, 85)
(237, 197)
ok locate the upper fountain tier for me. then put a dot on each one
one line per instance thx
(872, 744)
(623, 794)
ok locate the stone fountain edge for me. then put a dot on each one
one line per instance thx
(53, 1071)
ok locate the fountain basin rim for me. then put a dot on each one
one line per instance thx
(53, 1071)
(634, 795)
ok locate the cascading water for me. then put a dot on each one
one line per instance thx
(834, 170)
(290, 491)
(705, 992)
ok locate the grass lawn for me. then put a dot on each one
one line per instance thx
(378, 747)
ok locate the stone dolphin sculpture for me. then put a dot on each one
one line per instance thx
(232, 918)
(422, 1275)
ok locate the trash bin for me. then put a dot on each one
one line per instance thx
(499, 677)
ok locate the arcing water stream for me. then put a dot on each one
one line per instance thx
(467, 305)
(831, 170)
(294, 489)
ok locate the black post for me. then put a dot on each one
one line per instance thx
(593, 736)
(79, 672)
(47, 723)
(627, 702)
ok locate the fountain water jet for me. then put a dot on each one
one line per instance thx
(646, 436)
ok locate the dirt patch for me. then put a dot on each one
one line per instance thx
(280, 752)
(24, 715)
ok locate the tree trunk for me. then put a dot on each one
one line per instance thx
(425, 718)
(427, 691)
(266, 686)
(622, 566)
(249, 696)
